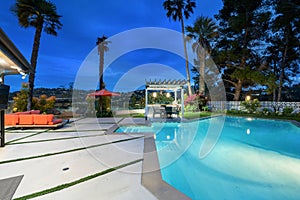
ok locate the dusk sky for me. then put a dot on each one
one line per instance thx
(61, 57)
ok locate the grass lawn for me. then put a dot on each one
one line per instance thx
(187, 115)
(195, 115)
(272, 116)
(135, 115)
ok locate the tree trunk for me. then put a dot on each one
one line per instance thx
(202, 55)
(188, 77)
(275, 74)
(280, 84)
(101, 84)
(101, 67)
(282, 69)
(238, 90)
(274, 94)
(33, 61)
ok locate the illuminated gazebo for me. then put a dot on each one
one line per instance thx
(165, 85)
(11, 62)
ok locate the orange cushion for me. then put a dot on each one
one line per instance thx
(35, 112)
(23, 113)
(11, 119)
(55, 121)
(25, 119)
(50, 118)
(40, 119)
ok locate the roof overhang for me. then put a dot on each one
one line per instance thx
(11, 59)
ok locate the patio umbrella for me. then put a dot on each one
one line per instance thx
(103, 92)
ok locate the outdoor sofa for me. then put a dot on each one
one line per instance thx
(31, 118)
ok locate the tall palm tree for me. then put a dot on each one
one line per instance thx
(203, 30)
(177, 10)
(102, 48)
(42, 15)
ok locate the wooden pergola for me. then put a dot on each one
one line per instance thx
(165, 85)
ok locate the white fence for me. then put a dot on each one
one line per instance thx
(236, 105)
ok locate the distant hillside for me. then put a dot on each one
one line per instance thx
(58, 92)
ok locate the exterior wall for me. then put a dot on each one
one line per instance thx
(236, 105)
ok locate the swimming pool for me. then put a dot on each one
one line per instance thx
(253, 158)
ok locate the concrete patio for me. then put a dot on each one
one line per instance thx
(80, 156)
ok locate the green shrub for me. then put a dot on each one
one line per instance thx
(287, 110)
(106, 113)
(233, 111)
(251, 105)
(265, 111)
(43, 103)
(20, 100)
(190, 107)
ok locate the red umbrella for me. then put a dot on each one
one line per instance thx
(104, 92)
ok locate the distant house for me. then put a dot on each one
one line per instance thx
(12, 62)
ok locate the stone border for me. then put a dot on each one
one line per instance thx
(296, 123)
(151, 177)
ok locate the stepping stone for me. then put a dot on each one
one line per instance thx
(9, 186)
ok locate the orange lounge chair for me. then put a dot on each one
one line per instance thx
(11, 119)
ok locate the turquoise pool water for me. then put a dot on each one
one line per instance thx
(253, 158)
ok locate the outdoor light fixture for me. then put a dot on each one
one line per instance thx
(168, 95)
(17, 68)
(154, 94)
(248, 98)
(2, 61)
(24, 76)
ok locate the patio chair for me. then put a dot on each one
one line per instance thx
(157, 111)
(170, 110)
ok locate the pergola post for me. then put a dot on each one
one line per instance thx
(146, 103)
(175, 94)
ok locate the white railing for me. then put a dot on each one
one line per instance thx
(236, 105)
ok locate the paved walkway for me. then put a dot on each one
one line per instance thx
(78, 161)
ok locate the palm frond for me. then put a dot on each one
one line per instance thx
(177, 9)
(37, 13)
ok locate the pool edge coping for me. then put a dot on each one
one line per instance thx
(151, 175)
(152, 179)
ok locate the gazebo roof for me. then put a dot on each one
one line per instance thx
(165, 84)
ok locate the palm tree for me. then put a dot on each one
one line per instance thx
(177, 10)
(203, 30)
(102, 47)
(42, 15)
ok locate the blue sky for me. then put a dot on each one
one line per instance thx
(61, 57)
